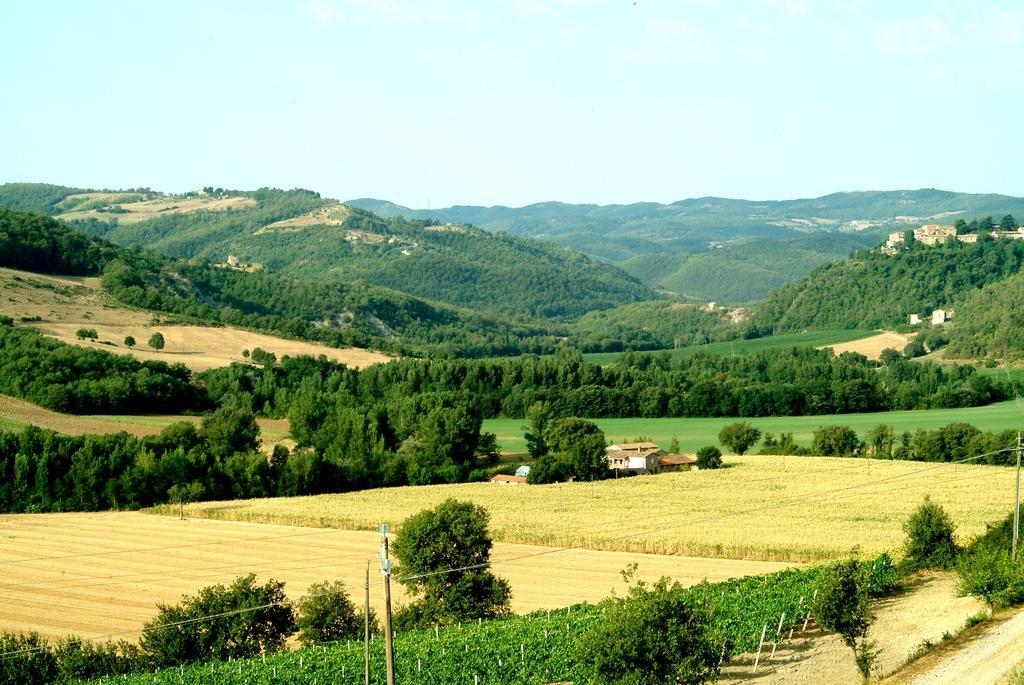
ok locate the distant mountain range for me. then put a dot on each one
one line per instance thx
(732, 251)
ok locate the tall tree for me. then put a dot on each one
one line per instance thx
(444, 555)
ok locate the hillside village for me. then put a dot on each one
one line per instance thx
(938, 234)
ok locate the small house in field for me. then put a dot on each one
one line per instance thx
(675, 462)
(502, 479)
(939, 316)
(915, 319)
(634, 457)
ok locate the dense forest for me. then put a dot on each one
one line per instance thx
(873, 289)
(990, 322)
(85, 381)
(777, 382)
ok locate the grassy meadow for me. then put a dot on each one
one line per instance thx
(813, 338)
(695, 433)
(771, 508)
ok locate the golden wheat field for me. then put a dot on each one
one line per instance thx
(102, 574)
(761, 507)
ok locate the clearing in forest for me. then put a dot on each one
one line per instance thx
(131, 212)
(872, 347)
(103, 574)
(760, 507)
(59, 306)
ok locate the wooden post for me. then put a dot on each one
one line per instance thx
(778, 634)
(759, 645)
(1016, 508)
(388, 636)
(809, 604)
(792, 627)
(366, 629)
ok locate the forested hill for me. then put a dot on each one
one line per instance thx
(330, 311)
(302, 234)
(725, 250)
(873, 289)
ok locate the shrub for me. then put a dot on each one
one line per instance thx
(232, 635)
(327, 614)
(929, 538)
(129, 341)
(709, 457)
(87, 333)
(835, 441)
(843, 605)
(156, 341)
(656, 635)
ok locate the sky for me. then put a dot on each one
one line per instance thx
(429, 104)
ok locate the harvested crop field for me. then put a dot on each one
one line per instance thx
(103, 574)
(133, 212)
(60, 306)
(872, 347)
(761, 507)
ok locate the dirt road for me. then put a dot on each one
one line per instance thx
(983, 657)
(925, 610)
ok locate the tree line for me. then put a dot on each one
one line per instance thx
(79, 380)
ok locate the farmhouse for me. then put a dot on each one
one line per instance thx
(634, 458)
(502, 479)
(676, 462)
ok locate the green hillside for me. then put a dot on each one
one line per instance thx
(302, 234)
(718, 249)
(326, 310)
(990, 322)
(874, 290)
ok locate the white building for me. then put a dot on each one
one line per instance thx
(914, 319)
(939, 316)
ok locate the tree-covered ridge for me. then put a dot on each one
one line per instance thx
(457, 265)
(36, 243)
(41, 198)
(990, 322)
(873, 289)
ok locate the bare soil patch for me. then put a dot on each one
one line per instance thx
(872, 347)
(925, 610)
(103, 573)
(332, 215)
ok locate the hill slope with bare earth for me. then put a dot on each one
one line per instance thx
(59, 306)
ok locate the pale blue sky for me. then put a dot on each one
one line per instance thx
(492, 102)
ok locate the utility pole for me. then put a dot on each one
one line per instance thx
(1016, 507)
(366, 629)
(385, 568)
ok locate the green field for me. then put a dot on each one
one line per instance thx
(813, 338)
(11, 425)
(695, 433)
